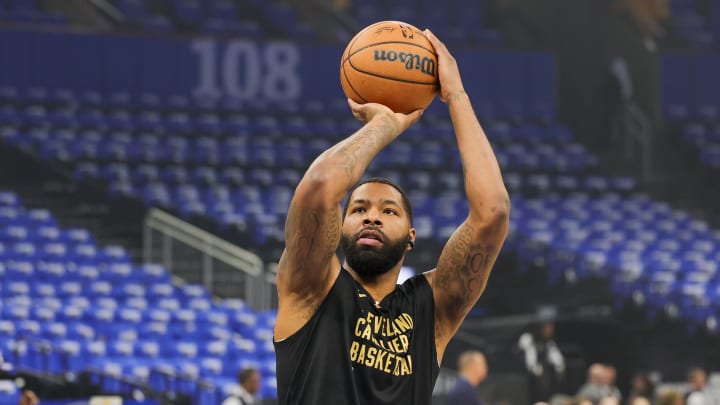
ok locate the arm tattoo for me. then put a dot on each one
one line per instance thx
(463, 270)
(361, 149)
(310, 233)
(456, 96)
(300, 233)
(333, 232)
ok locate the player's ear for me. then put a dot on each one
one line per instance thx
(411, 239)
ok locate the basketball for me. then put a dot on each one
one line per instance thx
(391, 63)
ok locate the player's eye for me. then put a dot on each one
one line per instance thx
(390, 211)
(358, 209)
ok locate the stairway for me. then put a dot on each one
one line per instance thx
(48, 185)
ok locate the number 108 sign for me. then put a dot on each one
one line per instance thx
(247, 70)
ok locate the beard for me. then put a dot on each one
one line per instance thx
(371, 261)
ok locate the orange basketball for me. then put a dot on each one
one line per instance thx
(391, 63)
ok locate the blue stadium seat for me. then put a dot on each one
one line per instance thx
(153, 330)
(9, 392)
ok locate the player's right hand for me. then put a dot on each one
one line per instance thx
(368, 111)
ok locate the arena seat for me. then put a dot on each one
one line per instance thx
(82, 306)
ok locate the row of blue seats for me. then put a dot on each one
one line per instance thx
(432, 156)
(40, 124)
(18, 248)
(645, 248)
(160, 316)
(20, 102)
(214, 186)
(458, 22)
(122, 125)
(63, 314)
(23, 284)
(217, 17)
(260, 210)
(192, 340)
(134, 360)
(133, 67)
(192, 307)
(155, 306)
(109, 328)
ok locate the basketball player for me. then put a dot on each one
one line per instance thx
(346, 333)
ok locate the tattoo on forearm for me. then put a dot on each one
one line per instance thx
(354, 155)
(457, 95)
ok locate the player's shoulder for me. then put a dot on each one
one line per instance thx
(417, 282)
(429, 276)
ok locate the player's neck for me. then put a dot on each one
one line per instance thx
(378, 286)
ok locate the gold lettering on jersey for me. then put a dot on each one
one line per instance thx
(383, 343)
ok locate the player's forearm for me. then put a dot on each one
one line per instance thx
(484, 185)
(340, 167)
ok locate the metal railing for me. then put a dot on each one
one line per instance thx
(196, 256)
(629, 125)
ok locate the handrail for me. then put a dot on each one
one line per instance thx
(203, 241)
(109, 9)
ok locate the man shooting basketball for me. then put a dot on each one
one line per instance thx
(347, 333)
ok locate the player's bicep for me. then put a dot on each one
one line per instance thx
(462, 274)
(311, 239)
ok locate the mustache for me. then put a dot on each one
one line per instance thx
(356, 236)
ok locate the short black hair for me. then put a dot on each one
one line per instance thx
(383, 180)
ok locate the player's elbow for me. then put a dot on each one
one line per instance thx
(316, 188)
(501, 209)
(495, 212)
(316, 178)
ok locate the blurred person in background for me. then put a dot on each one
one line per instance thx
(640, 401)
(610, 379)
(473, 369)
(249, 380)
(599, 384)
(635, 30)
(594, 387)
(641, 387)
(698, 394)
(544, 361)
(28, 398)
(670, 398)
(609, 400)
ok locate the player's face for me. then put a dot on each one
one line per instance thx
(376, 229)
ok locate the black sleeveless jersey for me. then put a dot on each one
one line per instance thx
(352, 352)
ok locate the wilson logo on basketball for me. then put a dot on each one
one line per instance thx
(412, 61)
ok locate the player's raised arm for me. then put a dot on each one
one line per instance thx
(308, 265)
(468, 257)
